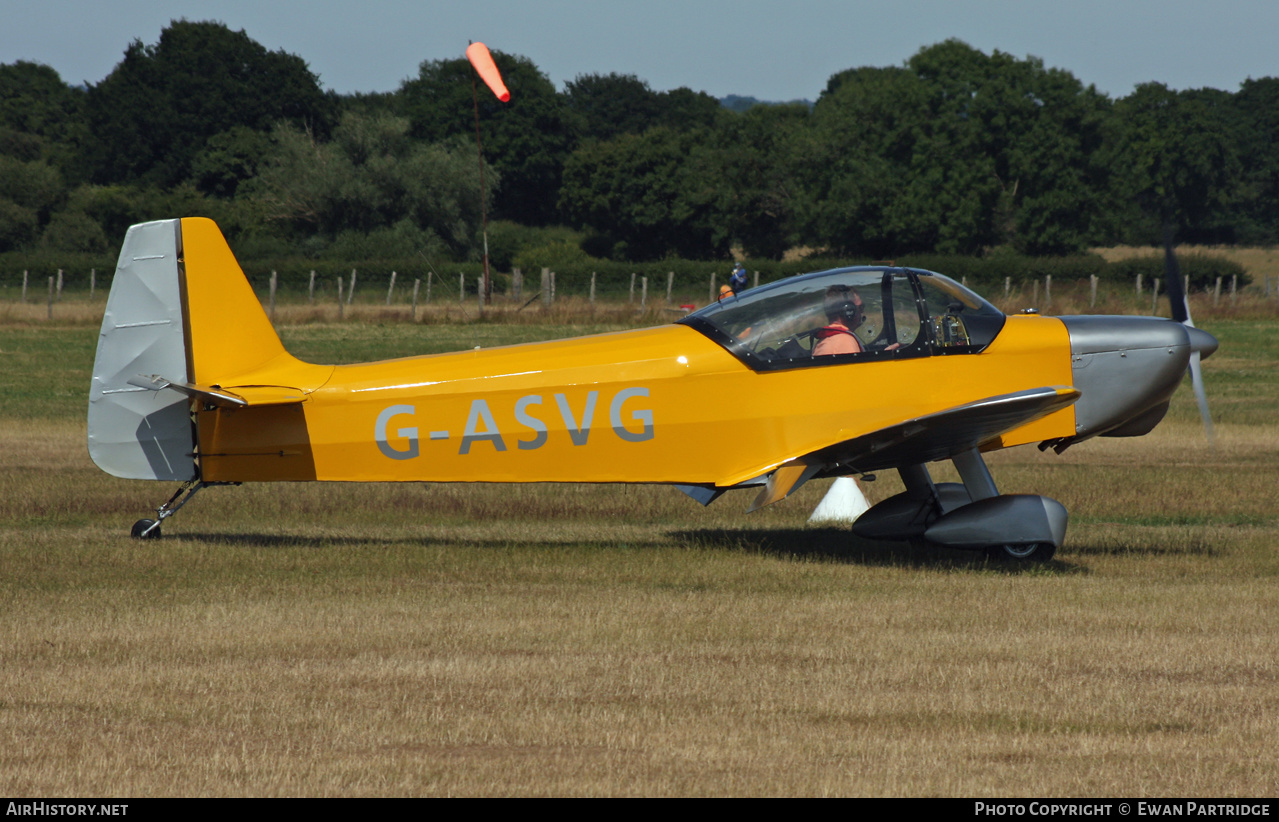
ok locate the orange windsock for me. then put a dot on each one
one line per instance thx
(478, 54)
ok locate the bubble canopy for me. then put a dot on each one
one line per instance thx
(876, 312)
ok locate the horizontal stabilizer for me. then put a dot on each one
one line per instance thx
(210, 395)
(241, 397)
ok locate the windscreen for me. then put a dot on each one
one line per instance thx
(849, 315)
(845, 314)
(958, 321)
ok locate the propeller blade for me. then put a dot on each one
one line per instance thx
(1197, 381)
(1176, 286)
(1181, 313)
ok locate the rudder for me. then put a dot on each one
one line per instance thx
(133, 432)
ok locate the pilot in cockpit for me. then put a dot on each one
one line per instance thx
(843, 306)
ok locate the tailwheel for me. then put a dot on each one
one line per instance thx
(1035, 552)
(150, 528)
(146, 529)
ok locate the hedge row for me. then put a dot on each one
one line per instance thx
(614, 278)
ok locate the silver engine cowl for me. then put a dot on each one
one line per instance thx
(1126, 369)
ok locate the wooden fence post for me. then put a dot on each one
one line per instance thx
(711, 298)
(416, 284)
(350, 292)
(310, 291)
(24, 285)
(670, 285)
(1154, 296)
(1048, 289)
(517, 284)
(461, 287)
(757, 278)
(1138, 283)
(592, 292)
(59, 285)
(51, 298)
(643, 293)
(1008, 285)
(273, 296)
(546, 288)
(1092, 287)
(428, 287)
(1216, 293)
(631, 298)
(93, 282)
(390, 290)
(339, 298)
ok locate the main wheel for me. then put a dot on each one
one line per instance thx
(140, 529)
(1036, 552)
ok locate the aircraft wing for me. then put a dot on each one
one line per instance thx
(946, 433)
(924, 439)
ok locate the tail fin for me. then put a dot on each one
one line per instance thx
(179, 309)
(228, 333)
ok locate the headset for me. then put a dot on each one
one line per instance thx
(843, 301)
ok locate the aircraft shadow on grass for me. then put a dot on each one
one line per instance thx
(279, 541)
(823, 544)
(1197, 547)
(838, 546)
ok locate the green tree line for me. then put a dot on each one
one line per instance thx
(954, 152)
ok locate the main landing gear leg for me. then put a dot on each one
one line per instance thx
(150, 528)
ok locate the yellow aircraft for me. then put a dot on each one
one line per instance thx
(192, 384)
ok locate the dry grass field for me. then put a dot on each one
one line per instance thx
(307, 640)
(1259, 261)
